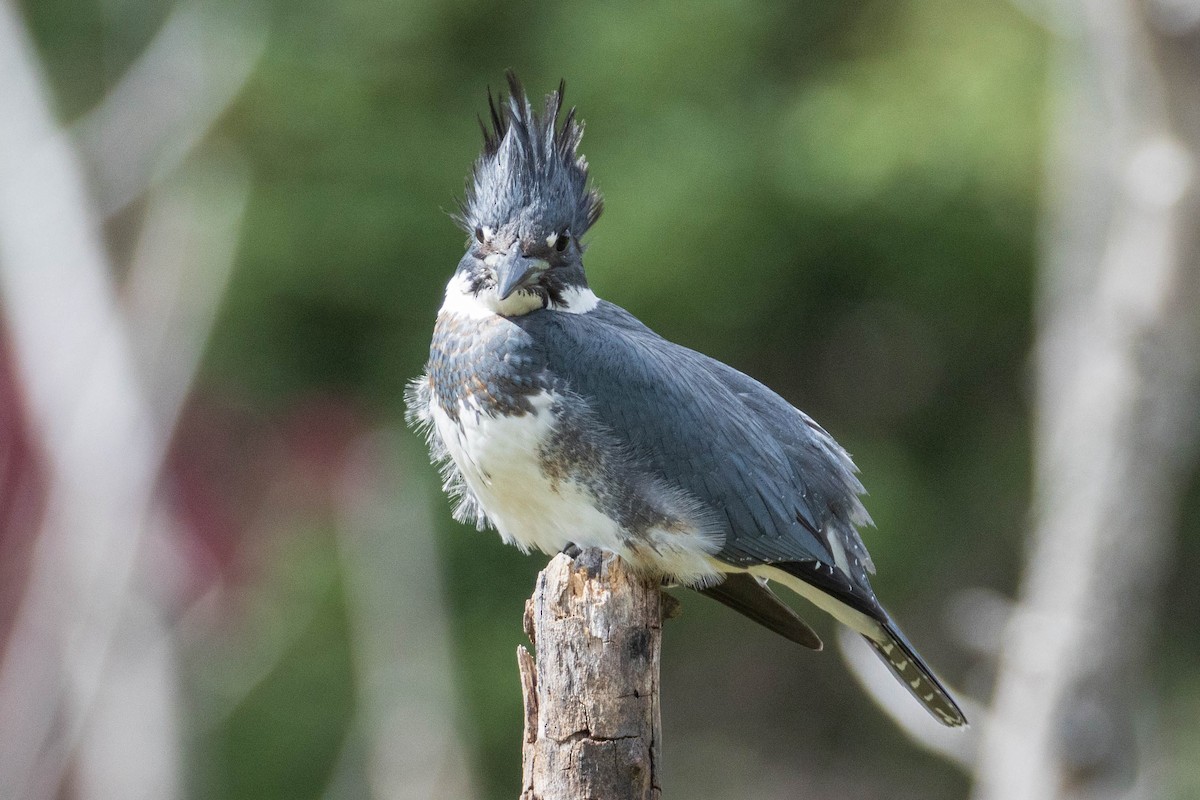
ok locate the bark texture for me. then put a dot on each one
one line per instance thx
(592, 724)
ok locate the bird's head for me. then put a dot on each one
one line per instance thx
(528, 202)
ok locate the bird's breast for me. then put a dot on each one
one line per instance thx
(492, 407)
(489, 364)
(542, 467)
(502, 461)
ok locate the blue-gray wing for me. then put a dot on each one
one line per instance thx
(782, 488)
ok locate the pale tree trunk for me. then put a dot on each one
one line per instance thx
(88, 675)
(1115, 407)
(400, 639)
(592, 725)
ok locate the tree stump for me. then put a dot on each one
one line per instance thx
(592, 723)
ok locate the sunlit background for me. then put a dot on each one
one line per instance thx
(226, 569)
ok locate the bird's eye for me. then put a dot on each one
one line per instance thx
(564, 239)
(479, 234)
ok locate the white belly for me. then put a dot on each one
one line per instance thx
(498, 459)
(499, 462)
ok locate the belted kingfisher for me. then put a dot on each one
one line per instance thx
(560, 420)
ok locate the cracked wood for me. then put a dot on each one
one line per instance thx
(592, 724)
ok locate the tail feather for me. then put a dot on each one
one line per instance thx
(914, 673)
(747, 595)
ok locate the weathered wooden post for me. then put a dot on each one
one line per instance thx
(592, 724)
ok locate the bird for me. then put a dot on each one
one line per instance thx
(563, 422)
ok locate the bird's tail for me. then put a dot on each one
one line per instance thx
(896, 651)
(750, 596)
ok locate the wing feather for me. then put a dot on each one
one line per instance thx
(782, 485)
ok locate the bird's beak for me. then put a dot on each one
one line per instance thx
(514, 270)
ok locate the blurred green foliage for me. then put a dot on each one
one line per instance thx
(285, 735)
(838, 197)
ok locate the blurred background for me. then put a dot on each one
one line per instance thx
(963, 236)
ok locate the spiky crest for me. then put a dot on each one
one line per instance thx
(529, 171)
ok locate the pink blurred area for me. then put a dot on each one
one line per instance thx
(230, 468)
(22, 493)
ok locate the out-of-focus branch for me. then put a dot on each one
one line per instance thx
(87, 412)
(175, 282)
(103, 444)
(1117, 357)
(130, 744)
(400, 635)
(168, 99)
(179, 273)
